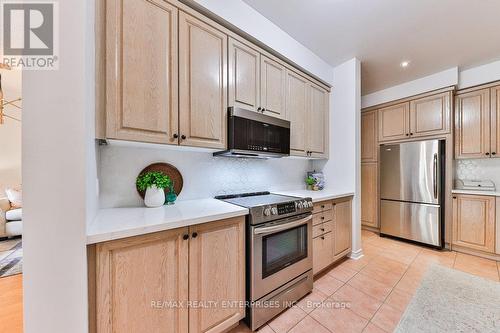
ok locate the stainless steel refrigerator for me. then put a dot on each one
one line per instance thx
(411, 183)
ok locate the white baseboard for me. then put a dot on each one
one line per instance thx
(355, 255)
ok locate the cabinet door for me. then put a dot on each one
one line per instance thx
(474, 222)
(472, 124)
(430, 115)
(369, 194)
(272, 87)
(369, 138)
(342, 212)
(495, 121)
(296, 109)
(322, 252)
(132, 273)
(393, 122)
(217, 273)
(202, 83)
(317, 122)
(244, 76)
(141, 71)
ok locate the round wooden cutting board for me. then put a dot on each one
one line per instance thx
(170, 171)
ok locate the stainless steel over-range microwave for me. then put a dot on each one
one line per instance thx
(252, 134)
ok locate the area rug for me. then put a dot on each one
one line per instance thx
(453, 301)
(11, 257)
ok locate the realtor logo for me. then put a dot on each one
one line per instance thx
(29, 37)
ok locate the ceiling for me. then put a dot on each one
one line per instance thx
(432, 35)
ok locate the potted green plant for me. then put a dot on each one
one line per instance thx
(310, 181)
(154, 183)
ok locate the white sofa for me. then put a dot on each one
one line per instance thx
(11, 222)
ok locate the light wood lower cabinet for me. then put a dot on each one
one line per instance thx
(474, 222)
(143, 283)
(369, 194)
(332, 232)
(342, 218)
(322, 252)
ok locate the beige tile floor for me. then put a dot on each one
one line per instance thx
(377, 288)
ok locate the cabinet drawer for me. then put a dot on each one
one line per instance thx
(321, 217)
(322, 228)
(322, 206)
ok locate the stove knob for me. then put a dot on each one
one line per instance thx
(267, 211)
(300, 205)
(274, 210)
(305, 204)
(310, 204)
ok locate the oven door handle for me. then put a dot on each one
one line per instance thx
(285, 226)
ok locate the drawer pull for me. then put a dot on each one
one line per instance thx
(322, 229)
(322, 206)
(322, 217)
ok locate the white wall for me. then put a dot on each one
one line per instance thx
(253, 23)
(54, 181)
(435, 81)
(204, 175)
(10, 132)
(479, 75)
(342, 170)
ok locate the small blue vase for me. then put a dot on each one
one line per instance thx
(171, 196)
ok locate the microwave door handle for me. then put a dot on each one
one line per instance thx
(281, 227)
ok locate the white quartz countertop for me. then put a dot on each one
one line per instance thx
(490, 193)
(316, 196)
(116, 223)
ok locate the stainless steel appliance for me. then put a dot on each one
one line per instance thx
(252, 134)
(411, 190)
(279, 252)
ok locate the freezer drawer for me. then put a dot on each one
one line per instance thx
(417, 222)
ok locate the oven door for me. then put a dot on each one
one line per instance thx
(280, 251)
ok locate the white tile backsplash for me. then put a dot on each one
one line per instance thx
(204, 175)
(479, 169)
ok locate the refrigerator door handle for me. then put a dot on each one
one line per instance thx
(435, 176)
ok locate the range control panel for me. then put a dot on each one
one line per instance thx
(286, 208)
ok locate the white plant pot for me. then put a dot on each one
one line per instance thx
(154, 197)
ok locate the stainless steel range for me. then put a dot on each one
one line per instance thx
(279, 252)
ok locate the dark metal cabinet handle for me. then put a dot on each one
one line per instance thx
(322, 217)
(322, 229)
(176, 136)
(322, 237)
(407, 134)
(454, 197)
(411, 133)
(263, 109)
(194, 235)
(258, 109)
(493, 153)
(183, 137)
(322, 206)
(185, 237)
(487, 154)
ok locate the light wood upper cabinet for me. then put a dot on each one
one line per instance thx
(495, 121)
(394, 122)
(244, 76)
(317, 121)
(474, 222)
(430, 115)
(297, 88)
(342, 217)
(369, 138)
(369, 194)
(472, 124)
(202, 83)
(141, 71)
(217, 273)
(272, 88)
(133, 272)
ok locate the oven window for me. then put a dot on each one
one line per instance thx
(283, 249)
